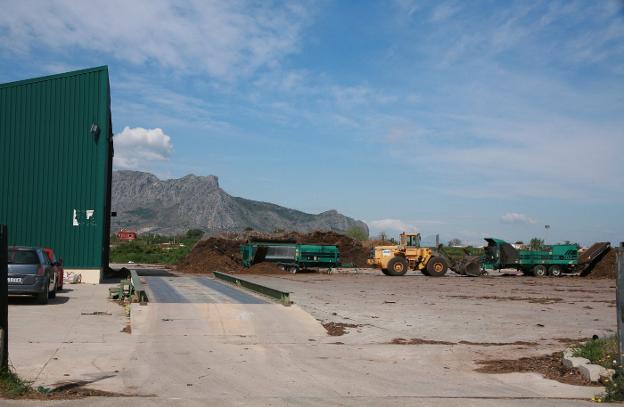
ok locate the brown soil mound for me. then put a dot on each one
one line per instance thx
(606, 267)
(212, 254)
(550, 366)
(223, 253)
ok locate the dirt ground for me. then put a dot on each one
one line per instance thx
(501, 323)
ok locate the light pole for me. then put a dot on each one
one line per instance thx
(546, 227)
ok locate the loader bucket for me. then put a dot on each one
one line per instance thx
(468, 266)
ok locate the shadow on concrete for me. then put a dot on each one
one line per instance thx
(155, 273)
(26, 300)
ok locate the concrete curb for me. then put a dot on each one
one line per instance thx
(593, 373)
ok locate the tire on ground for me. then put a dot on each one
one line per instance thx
(437, 266)
(555, 270)
(539, 270)
(385, 271)
(42, 297)
(397, 266)
(52, 294)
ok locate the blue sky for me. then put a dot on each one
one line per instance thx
(468, 119)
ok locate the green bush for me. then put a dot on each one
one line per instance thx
(602, 351)
(148, 249)
(11, 385)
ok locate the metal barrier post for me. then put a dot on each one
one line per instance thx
(4, 299)
(619, 295)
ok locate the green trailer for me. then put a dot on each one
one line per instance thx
(552, 260)
(291, 256)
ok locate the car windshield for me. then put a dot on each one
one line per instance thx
(23, 257)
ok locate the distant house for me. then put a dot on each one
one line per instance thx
(127, 235)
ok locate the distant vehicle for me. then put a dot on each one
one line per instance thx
(397, 259)
(57, 264)
(552, 260)
(31, 272)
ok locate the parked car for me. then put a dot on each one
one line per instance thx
(57, 265)
(31, 272)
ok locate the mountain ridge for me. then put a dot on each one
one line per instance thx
(172, 206)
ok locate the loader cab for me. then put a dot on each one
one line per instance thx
(410, 239)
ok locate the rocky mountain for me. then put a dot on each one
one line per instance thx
(146, 203)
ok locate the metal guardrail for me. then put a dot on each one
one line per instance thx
(137, 286)
(281, 296)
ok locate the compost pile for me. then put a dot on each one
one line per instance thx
(212, 254)
(606, 267)
(222, 253)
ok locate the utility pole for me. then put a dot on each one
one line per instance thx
(4, 299)
(619, 296)
(547, 228)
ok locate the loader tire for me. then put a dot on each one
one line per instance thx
(425, 271)
(385, 271)
(397, 266)
(437, 267)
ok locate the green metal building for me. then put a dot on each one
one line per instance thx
(56, 150)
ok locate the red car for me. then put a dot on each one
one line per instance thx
(57, 265)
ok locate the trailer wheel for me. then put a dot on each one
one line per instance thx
(437, 267)
(397, 266)
(554, 270)
(539, 270)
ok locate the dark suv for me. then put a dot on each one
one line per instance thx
(30, 272)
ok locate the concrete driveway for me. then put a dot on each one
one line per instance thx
(200, 342)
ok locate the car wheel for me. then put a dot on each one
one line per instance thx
(52, 294)
(42, 297)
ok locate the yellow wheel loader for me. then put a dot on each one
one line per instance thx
(396, 260)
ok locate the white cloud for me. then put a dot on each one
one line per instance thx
(136, 148)
(223, 39)
(514, 217)
(391, 225)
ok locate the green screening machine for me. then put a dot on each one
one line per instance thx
(550, 260)
(290, 256)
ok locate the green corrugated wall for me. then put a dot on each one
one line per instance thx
(51, 164)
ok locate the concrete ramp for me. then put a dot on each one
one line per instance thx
(202, 306)
(252, 321)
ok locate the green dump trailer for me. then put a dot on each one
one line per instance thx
(291, 256)
(552, 260)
